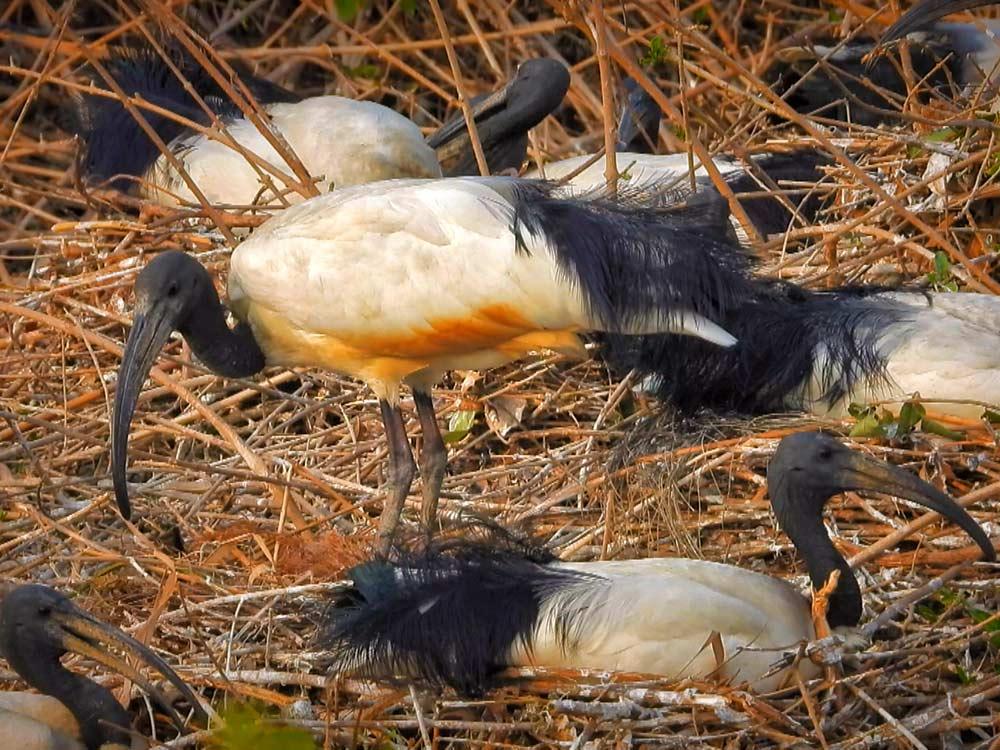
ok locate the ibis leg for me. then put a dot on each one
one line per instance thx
(433, 459)
(401, 471)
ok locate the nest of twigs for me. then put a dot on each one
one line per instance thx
(253, 497)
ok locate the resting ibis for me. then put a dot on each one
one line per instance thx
(820, 351)
(400, 281)
(853, 85)
(457, 619)
(37, 627)
(340, 141)
(503, 120)
(639, 168)
(768, 213)
(922, 15)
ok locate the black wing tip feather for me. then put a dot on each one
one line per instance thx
(779, 334)
(446, 616)
(769, 213)
(637, 255)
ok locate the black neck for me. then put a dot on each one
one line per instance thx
(94, 707)
(804, 526)
(230, 352)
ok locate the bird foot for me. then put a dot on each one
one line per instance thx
(830, 651)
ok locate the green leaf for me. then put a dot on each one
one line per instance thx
(459, 425)
(991, 416)
(911, 413)
(943, 134)
(700, 16)
(928, 611)
(365, 70)
(348, 9)
(409, 7)
(246, 727)
(936, 428)
(656, 53)
(964, 677)
(942, 266)
(948, 596)
(858, 411)
(868, 426)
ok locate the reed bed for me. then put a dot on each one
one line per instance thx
(252, 497)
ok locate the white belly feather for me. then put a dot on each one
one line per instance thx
(657, 616)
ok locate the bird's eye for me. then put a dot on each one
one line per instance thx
(45, 610)
(172, 290)
(824, 454)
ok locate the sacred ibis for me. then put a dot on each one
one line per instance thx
(923, 14)
(459, 618)
(37, 627)
(340, 141)
(821, 351)
(845, 81)
(503, 120)
(670, 174)
(398, 282)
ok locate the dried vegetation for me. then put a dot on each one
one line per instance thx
(253, 496)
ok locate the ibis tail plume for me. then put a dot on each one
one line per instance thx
(340, 141)
(37, 627)
(398, 282)
(458, 618)
(820, 352)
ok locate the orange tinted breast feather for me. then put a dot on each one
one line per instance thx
(484, 329)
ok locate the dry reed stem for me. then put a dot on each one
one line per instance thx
(209, 575)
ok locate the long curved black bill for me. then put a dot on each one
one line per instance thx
(863, 473)
(81, 634)
(920, 15)
(150, 331)
(453, 137)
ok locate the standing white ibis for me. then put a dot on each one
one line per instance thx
(37, 627)
(398, 282)
(340, 141)
(503, 120)
(457, 619)
(820, 352)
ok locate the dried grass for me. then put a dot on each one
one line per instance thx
(257, 494)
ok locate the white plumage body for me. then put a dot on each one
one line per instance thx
(340, 141)
(30, 721)
(657, 616)
(948, 347)
(634, 168)
(406, 279)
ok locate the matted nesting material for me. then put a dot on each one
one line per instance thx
(252, 497)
